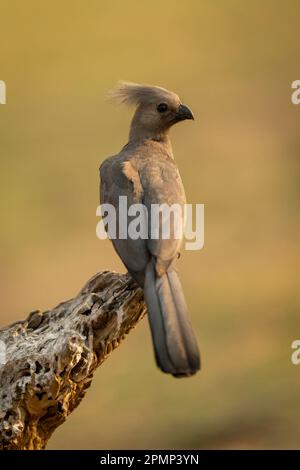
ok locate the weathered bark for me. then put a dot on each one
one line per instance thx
(51, 357)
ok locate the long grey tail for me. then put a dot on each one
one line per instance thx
(174, 341)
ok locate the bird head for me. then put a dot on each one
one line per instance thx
(157, 109)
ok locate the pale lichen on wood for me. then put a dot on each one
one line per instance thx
(51, 357)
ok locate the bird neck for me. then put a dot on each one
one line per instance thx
(139, 134)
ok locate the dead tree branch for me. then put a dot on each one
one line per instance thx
(51, 357)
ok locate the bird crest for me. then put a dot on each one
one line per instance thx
(134, 94)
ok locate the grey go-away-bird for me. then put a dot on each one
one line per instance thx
(145, 172)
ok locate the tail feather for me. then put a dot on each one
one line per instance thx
(175, 345)
(188, 334)
(156, 322)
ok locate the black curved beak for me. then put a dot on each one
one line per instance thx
(183, 113)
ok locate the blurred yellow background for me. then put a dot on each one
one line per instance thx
(233, 63)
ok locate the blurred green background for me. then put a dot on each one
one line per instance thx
(233, 63)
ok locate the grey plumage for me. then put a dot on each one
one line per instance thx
(145, 172)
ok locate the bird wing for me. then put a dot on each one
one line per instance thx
(161, 183)
(119, 178)
(148, 181)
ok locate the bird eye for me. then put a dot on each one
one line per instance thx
(162, 107)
